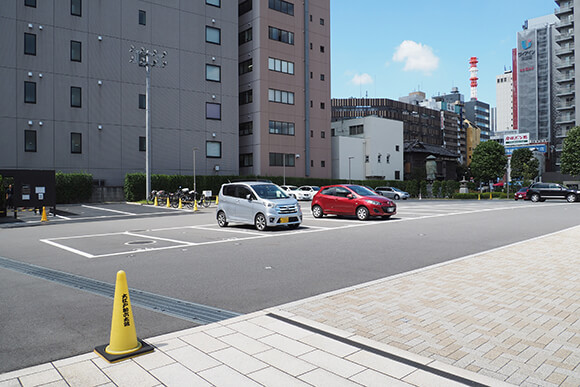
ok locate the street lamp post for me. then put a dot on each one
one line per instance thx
(296, 156)
(147, 59)
(194, 185)
(349, 158)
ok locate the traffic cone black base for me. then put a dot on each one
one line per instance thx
(145, 348)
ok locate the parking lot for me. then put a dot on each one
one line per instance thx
(187, 259)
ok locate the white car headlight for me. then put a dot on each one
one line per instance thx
(373, 202)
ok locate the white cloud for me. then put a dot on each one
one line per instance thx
(361, 79)
(416, 57)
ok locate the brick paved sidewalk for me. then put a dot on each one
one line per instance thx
(512, 313)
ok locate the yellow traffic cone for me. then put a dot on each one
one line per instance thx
(168, 205)
(180, 206)
(194, 205)
(155, 203)
(124, 343)
(44, 218)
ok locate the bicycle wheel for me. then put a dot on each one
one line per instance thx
(206, 202)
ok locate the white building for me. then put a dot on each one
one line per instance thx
(504, 91)
(367, 148)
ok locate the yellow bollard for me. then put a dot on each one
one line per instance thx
(155, 203)
(194, 205)
(180, 206)
(478, 196)
(490, 196)
(168, 205)
(44, 218)
(124, 342)
(216, 200)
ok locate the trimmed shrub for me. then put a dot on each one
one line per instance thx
(73, 187)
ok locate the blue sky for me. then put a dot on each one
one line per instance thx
(389, 48)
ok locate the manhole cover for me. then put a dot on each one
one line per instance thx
(140, 243)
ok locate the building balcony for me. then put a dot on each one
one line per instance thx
(566, 119)
(564, 10)
(566, 78)
(566, 64)
(565, 51)
(561, 133)
(565, 23)
(566, 91)
(564, 37)
(566, 106)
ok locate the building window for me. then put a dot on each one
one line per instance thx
(397, 148)
(311, 45)
(75, 97)
(29, 44)
(367, 159)
(142, 17)
(282, 159)
(397, 175)
(356, 129)
(311, 74)
(321, 48)
(213, 149)
(332, 132)
(142, 143)
(213, 35)
(280, 65)
(281, 35)
(213, 111)
(246, 97)
(244, 6)
(142, 101)
(321, 21)
(76, 143)
(76, 7)
(312, 163)
(245, 36)
(30, 141)
(30, 3)
(282, 6)
(312, 134)
(215, 3)
(322, 163)
(246, 128)
(29, 92)
(379, 158)
(322, 105)
(323, 134)
(246, 160)
(279, 127)
(213, 73)
(245, 67)
(75, 51)
(322, 77)
(280, 96)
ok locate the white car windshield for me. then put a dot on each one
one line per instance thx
(270, 191)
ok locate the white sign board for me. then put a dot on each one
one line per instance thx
(516, 139)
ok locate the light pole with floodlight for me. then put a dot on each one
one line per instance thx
(147, 59)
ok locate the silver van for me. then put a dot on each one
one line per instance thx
(258, 203)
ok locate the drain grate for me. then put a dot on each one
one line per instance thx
(190, 311)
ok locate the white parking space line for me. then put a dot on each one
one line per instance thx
(109, 210)
(159, 238)
(60, 246)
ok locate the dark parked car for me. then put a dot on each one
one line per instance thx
(538, 192)
(349, 199)
(522, 194)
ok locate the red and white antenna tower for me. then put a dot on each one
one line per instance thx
(473, 71)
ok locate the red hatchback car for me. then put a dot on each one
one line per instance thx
(348, 199)
(522, 194)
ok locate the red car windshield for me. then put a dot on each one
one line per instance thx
(362, 191)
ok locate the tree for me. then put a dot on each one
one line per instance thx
(488, 161)
(524, 165)
(571, 153)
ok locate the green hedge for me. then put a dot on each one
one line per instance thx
(483, 196)
(73, 187)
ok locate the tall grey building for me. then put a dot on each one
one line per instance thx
(567, 87)
(536, 63)
(73, 102)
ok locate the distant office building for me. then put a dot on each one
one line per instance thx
(478, 112)
(284, 88)
(536, 84)
(367, 148)
(414, 98)
(566, 86)
(74, 103)
(504, 115)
